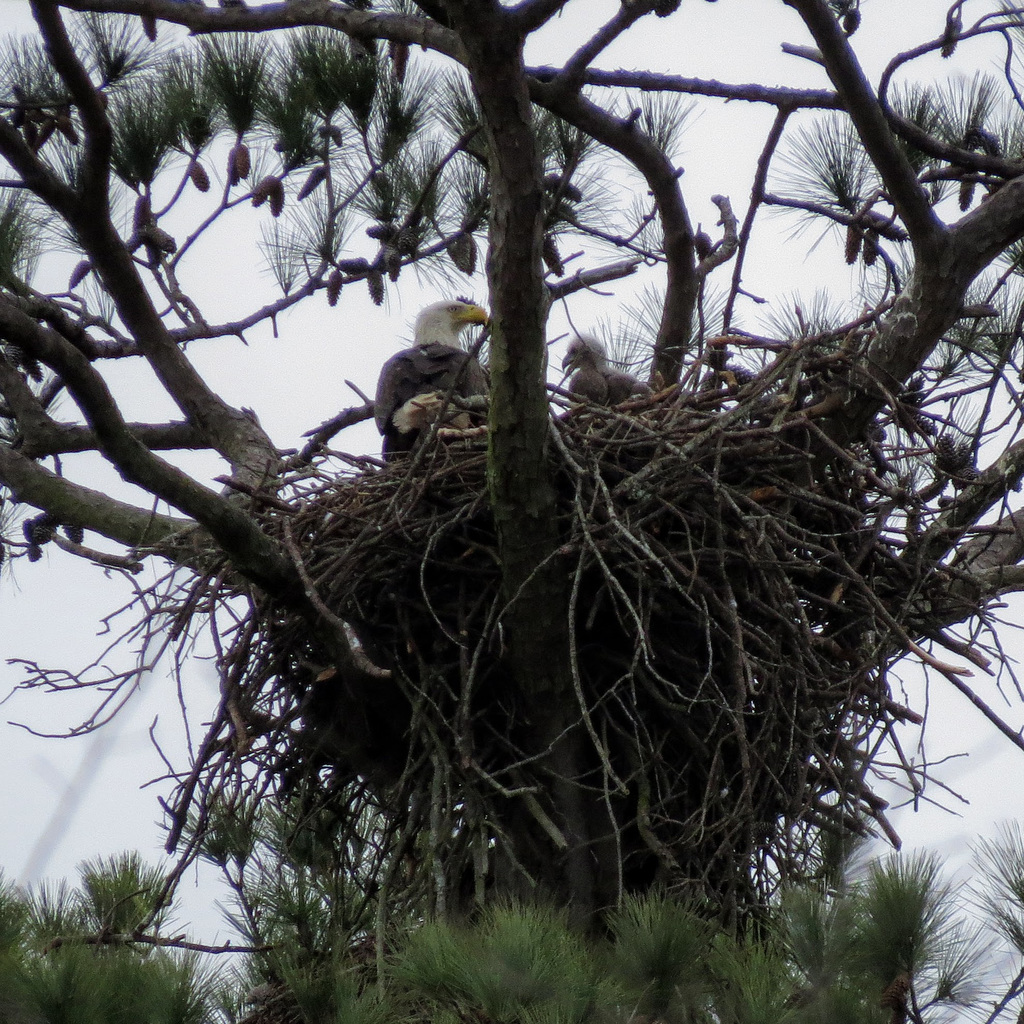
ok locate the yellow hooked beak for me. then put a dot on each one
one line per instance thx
(471, 314)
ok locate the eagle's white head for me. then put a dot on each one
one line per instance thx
(441, 322)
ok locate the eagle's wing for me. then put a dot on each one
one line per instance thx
(419, 371)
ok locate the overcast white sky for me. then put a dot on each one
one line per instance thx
(62, 801)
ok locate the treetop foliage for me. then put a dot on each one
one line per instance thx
(892, 942)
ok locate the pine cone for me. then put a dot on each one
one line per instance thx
(143, 212)
(276, 198)
(334, 283)
(149, 27)
(332, 132)
(270, 188)
(951, 35)
(40, 529)
(392, 262)
(18, 115)
(851, 21)
(462, 250)
(853, 240)
(353, 267)
(552, 257)
(894, 997)
(239, 163)
(913, 391)
(407, 240)
(945, 454)
(566, 189)
(316, 178)
(966, 194)
(869, 251)
(979, 138)
(383, 231)
(375, 283)
(66, 126)
(261, 193)
(197, 173)
(79, 274)
(34, 552)
(159, 239)
(75, 534)
(399, 54)
(963, 460)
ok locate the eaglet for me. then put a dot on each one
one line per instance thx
(594, 380)
(413, 385)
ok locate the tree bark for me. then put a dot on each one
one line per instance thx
(535, 582)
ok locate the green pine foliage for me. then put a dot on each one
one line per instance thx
(19, 234)
(826, 165)
(322, 133)
(897, 943)
(63, 959)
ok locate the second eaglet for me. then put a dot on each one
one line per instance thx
(414, 384)
(594, 379)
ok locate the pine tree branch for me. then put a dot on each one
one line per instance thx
(984, 233)
(987, 564)
(757, 197)
(1004, 579)
(655, 81)
(885, 227)
(22, 404)
(662, 178)
(593, 277)
(867, 114)
(570, 77)
(403, 28)
(930, 304)
(251, 551)
(67, 438)
(964, 159)
(529, 15)
(69, 502)
(232, 433)
(99, 139)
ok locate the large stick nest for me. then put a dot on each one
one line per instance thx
(735, 598)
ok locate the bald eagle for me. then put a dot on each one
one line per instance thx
(594, 380)
(413, 385)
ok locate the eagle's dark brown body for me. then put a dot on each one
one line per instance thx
(414, 384)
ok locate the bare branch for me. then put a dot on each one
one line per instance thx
(402, 28)
(593, 277)
(72, 503)
(570, 78)
(750, 92)
(251, 550)
(757, 196)
(65, 438)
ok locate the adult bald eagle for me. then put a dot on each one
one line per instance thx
(412, 386)
(594, 380)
